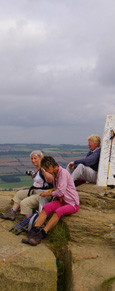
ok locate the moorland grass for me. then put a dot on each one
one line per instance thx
(25, 181)
(106, 285)
(57, 241)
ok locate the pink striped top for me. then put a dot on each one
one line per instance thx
(64, 187)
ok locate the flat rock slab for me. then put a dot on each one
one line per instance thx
(23, 267)
(90, 267)
(6, 200)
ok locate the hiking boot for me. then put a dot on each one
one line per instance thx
(36, 239)
(79, 182)
(10, 214)
(31, 234)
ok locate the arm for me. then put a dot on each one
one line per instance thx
(62, 184)
(89, 160)
(71, 165)
(47, 193)
(48, 177)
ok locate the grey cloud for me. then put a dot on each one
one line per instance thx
(57, 68)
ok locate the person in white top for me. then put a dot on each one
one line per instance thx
(22, 199)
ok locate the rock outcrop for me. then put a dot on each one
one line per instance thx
(91, 249)
(90, 254)
(22, 267)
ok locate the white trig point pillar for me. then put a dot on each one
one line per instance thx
(106, 170)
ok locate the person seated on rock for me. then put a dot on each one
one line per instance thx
(23, 199)
(85, 169)
(65, 201)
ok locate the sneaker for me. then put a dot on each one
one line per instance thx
(36, 239)
(26, 240)
(10, 214)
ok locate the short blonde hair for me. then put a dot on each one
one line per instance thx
(95, 138)
(37, 153)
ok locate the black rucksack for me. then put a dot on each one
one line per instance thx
(45, 184)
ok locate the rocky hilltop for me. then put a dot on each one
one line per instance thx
(90, 253)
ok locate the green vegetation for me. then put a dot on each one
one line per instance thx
(25, 181)
(51, 149)
(106, 284)
(58, 239)
(10, 186)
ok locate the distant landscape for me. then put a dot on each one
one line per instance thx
(15, 161)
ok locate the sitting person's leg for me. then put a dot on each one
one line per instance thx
(19, 196)
(85, 173)
(29, 203)
(60, 210)
(48, 209)
(66, 209)
(11, 213)
(34, 236)
(32, 202)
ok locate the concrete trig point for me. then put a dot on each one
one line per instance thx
(106, 170)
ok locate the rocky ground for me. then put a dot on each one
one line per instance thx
(22, 267)
(90, 254)
(91, 249)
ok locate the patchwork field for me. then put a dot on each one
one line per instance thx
(15, 161)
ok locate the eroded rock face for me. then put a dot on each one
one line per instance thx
(91, 248)
(23, 267)
(90, 255)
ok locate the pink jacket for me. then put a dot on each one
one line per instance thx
(65, 188)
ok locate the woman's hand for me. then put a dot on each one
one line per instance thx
(48, 177)
(46, 193)
(71, 165)
(43, 194)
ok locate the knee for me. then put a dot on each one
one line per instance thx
(16, 200)
(79, 169)
(58, 214)
(80, 166)
(22, 203)
(17, 195)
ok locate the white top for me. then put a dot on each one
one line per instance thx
(38, 181)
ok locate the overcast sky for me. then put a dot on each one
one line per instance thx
(57, 69)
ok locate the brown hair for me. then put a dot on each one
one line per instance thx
(47, 161)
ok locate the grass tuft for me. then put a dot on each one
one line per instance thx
(57, 240)
(106, 284)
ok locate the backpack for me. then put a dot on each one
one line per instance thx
(45, 184)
